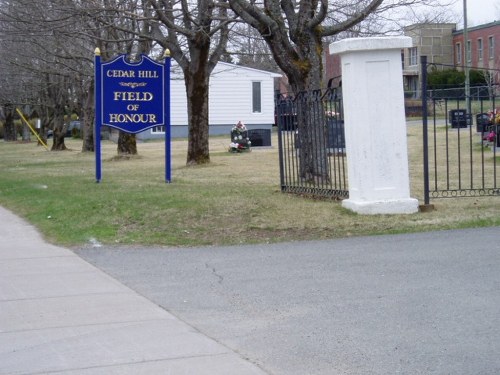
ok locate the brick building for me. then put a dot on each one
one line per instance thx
(482, 49)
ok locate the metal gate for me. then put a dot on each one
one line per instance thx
(461, 139)
(324, 113)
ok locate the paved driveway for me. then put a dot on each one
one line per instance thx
(424, 303)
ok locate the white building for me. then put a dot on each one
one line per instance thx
(236, 94)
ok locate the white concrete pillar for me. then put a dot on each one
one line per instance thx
(375, 125)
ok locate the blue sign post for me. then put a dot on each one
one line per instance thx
(132, 97)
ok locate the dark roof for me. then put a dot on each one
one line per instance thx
(479, 27)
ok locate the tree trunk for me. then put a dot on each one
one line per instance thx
(88, 121)
(26, 133)
(127, 144)
(305, 77)
(311, 125)
(198, 140)
(59, 129)
(9, 127)
(293, 31)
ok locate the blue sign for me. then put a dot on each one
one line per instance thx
(132, 97)
(132, 94)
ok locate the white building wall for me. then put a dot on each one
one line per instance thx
(230, 100)
(231, 95)
(178, 102)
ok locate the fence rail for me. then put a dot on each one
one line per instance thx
(461, 141)
(312, 144)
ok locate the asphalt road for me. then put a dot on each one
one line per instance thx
(425, 303)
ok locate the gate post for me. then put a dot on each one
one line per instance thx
(375, 125)
(425, 129)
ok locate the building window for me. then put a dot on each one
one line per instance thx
(458, 53)
(413, 56)
(256, 97)
(479, 49)
(468, 52)
(491, 47)
(158, 130)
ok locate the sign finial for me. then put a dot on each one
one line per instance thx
(97, 51)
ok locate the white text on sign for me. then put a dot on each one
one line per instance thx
(132, 74)
(143, 118)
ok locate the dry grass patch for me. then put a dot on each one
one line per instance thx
(234, 199)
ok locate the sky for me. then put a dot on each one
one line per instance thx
(478, 11)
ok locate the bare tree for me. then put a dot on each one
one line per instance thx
(44, 46)
(196, 33)
(54, 41)
(10, 95)
(118, 27)
(9, 126)
(13, 79)
(249, 48)
(295, 32)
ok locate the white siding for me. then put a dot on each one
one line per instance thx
(230, 96)
(178, 102)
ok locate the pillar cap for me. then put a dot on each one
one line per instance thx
(369, 44)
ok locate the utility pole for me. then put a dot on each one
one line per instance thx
(468, 58)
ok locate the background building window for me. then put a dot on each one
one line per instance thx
(479, 49)
(491, 47)
(413, 56)
(458, 53)
(468, 52)
(256, 97)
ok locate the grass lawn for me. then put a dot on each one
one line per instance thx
(235, 199)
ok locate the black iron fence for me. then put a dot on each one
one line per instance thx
(312, 144)
(461, 139)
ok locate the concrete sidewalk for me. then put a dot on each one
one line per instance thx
(59, 314)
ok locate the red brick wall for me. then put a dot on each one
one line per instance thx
(483, 32)
(332, 66)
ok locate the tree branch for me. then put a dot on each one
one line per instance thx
(353, 20)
